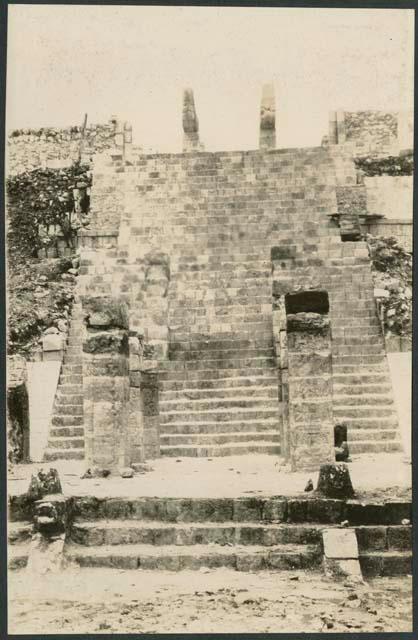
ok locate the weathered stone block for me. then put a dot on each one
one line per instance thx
(340, 543)
(309, 364)
(334, 481)
(103, 312)
(106, 342)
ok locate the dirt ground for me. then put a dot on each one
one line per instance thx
(386, 474)
(219, 600)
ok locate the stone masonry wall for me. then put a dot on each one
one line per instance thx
(29, 149)
(193, 254)
(212, 219)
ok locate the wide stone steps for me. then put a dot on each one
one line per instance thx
(245, 534)
(177, 557)
(344, 379)
(203, 375)
(368, 411)
(386, 563)
(171, 383)
(213, 427)
(199, 404)
(381, 446)
(367, 435)
(65, 442)
(75, 410)
(220, 450)
(67, 421)
(207, 439)
(67, 432)
(234, 365)
(217, 415)
(63, 397)
(115, 532)
(371, 423)
(361, 390)
(218, 393)
(64, 454)
(228, 355)
(363, 399)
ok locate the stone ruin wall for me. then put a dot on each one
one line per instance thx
(181, 237)
(53, 147)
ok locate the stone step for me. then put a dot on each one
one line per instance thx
(235, 365)
(116, 532)
(359, 360)
(214, 451)
(217, 393)
(242, 402)
(66, 388)
(380, 378)
(72, 369)
(373, 435)
(67, 421)
(386, 563)
(63, 454)
(66, 432)
(68, 409)
(208, 439)
(217, 415)
(63, 397)
(382, 446)
(359, 370)
(73, 359)
(222, 384)
(217, 374)
(228, 355)
(361, 389)
(194, 557)
(360, 350)
(384, 538)
(64, 442)
(73, 379)
(363, 399)
(371, 423)
(226, 343)
(370, 411)
(302, 509)
(232, 426)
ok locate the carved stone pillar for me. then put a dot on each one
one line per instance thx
(311, 436)
(106, 383)
(268, 118)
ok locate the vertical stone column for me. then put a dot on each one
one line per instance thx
(190, 123)
(151, 413)
(280, 341)
(341, 129)
(311, 437)
(136, 418)
(267, 118)
(333, 128)
(106, 382)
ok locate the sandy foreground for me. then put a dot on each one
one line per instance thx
(219, 600)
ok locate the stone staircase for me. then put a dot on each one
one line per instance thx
(362, 389)
(245, 534)
(220, 400)
(66, 435)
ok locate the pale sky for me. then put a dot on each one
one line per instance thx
(135, 61)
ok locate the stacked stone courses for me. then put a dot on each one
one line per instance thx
(215, 218)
